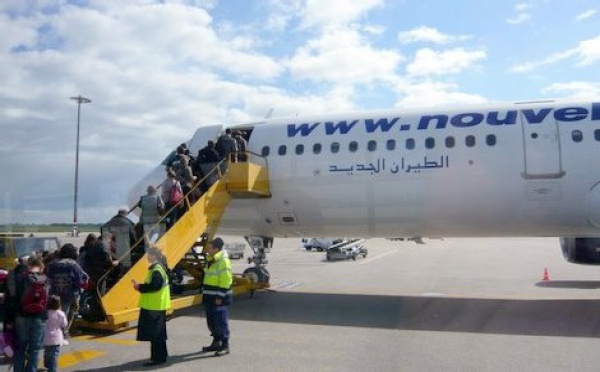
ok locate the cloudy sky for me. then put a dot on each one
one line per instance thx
(157, 70)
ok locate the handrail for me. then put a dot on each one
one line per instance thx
(217, 169)
(103, 278)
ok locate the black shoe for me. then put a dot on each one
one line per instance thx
(153, 363)
(215, 346)
(222, 351)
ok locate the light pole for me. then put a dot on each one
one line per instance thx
(79, 99)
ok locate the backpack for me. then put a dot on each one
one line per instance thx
(175, 196)
(35, 297)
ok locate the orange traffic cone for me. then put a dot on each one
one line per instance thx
(546, 276)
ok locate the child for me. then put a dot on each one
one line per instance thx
(53, 337)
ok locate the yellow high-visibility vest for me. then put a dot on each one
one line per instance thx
(161, 299)
(219, 273)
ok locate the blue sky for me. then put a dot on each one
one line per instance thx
(157, 70)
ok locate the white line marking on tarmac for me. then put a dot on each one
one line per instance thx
(297, 263)
(285, 285)
(432, 294)
(369, 260)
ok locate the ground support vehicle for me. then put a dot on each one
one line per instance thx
(235, 250)
(347, 249)
(13, 246)
(320, 244)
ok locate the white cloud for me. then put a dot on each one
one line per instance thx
(263, 99)
(522, 7)
(154, 73)
(555, 58)
(587, 52)
(282, 12)
(574, 89)
(431, 62)
(585, 15)
(189, 37)
(373, 29)
(519, 18)
(16, 31)
(521, 14)
(342, 55)
(428, 34)
(429, 94)
(318, 13)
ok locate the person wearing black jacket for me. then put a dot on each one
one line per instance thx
(155, 300)
(208, 158)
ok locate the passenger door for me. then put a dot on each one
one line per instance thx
(542, 150)
(202, 136)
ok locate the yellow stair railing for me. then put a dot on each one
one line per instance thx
(241, 180)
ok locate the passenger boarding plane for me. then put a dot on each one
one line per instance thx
(527, 169)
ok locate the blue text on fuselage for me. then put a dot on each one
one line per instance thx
(461, 120)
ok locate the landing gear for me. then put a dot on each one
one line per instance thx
(258, 273)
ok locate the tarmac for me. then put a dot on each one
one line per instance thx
(446, 305)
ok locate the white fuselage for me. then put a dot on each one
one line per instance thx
(498, 170)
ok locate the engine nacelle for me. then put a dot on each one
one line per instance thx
(583, 251)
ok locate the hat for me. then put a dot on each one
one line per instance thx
(217, 243)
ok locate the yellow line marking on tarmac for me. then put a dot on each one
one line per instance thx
(69, 359)
(106, 340)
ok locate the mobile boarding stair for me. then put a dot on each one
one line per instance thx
(239, 180)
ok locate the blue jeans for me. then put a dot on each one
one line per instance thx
(51, 357)
(30, 334)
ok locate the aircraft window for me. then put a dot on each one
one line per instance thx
(577, 136)
(372, 145)
(317, 148)
(597, 134)
(282, 150)
(335, 147)
(410, 143)
(450, 142)
(299, 149)
(490, 139)
(391, 144)
(265, 151)
(429, 143)
(353, 146)
(470, 141)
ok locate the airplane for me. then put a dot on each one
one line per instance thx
(517, 169)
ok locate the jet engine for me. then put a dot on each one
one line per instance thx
(583, 251)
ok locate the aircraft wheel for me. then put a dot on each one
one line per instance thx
(257, 275)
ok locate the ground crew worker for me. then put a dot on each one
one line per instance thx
(217, 294)
(155, 300)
